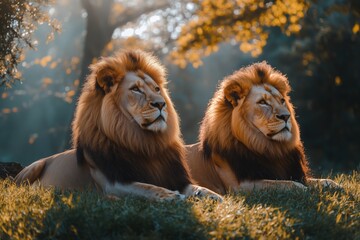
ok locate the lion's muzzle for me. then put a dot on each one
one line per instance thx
(159, 104)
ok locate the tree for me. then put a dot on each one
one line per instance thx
(18, 20)
(103, 17)
(242, 21)
(327, 48)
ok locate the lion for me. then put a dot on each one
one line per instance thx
(249, 137)
(125, 134)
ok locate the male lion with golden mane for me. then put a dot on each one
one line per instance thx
(126, 136)
(249, 137)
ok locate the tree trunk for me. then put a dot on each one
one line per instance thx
(99, 29)
(98, 33)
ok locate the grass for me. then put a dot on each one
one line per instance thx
(29, 213)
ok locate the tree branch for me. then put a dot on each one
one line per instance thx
(134, 13)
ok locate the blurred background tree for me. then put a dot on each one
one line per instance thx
(103, 18)
(18, 21)
(315, 43)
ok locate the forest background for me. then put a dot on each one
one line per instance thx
(315, 43)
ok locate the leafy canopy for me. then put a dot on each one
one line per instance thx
(18, 21)
(244, 21)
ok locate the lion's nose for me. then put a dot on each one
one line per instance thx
(284, 117)
(159, 105)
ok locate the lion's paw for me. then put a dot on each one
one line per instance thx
(202, 192)
(329, 183)
(170, 196)
(298, 185)
(325, 182)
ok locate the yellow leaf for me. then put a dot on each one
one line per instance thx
(45, 60)
(22, 57)
(356, 28)
(70, 93)
(33, 138)
(53, 65)
(293, 19)
(75, 60)
(245, 47)
(282, 19)
(197, 64)
(18, 75)
(76, 82)
(47, 81)
(6, 110)
(68, 99)
(4, 95)
(294, 28)
(338, 81)
(8, 57)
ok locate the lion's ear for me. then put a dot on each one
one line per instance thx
(105, 79)
(233, 92)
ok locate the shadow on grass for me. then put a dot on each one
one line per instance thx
(32, 213)
(317, 213)
(92, 216)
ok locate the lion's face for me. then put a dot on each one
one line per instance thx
(125, 100)
(143, 100)
(252, 107)
(266, 110)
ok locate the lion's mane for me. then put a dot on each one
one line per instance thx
(120, 149)
(250, 155)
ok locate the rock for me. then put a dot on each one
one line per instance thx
(9, 169)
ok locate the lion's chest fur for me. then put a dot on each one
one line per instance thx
(165, 169)
(249, 165)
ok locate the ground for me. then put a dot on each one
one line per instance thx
(320, 213)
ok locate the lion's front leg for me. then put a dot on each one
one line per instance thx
(314, 182)
(197, 191)
(143, 190)
(229, 179)
(118, 189)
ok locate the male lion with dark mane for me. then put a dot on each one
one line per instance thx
(249, 137)
(126, 136)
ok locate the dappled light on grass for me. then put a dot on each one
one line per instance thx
(319, 213)
(234, 218)
(22, 210)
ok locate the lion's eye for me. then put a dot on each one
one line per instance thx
(136, 89)
(157, 89)
(262, 102)
(282, 101)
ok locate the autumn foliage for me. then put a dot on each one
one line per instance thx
(18, 21)
(241, 21)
